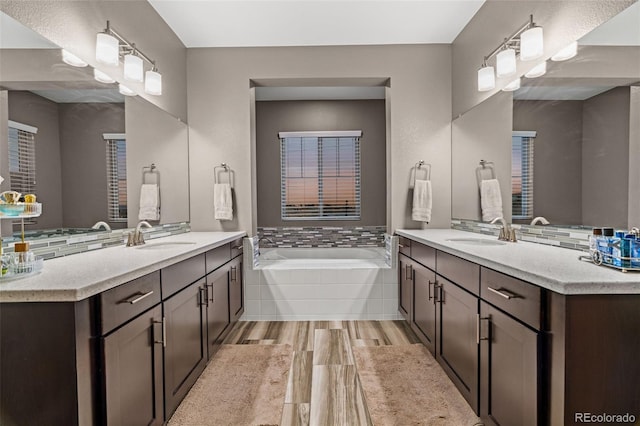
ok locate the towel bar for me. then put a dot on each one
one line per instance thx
(485, 165)
(427, 170)
(147, 170)
(224, 168)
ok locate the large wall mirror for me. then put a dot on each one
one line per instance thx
(92, 143)
(582, 119)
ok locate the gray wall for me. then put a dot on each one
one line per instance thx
(484, 133)
(563, 22)
(154, 136)
(368, 116)
(634, 156)
(605, 153)
(557, 192)
(222, 118)
(73, 25)
(31, 109)
(83, 157)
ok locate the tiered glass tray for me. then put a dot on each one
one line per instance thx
(19, 264)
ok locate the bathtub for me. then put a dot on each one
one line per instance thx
(303, 284)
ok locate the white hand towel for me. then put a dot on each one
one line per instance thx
(490, 199)
(149, 202)
(222, 201)
(422, 201)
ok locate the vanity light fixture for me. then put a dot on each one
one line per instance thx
(71, 59)
(537, 71)
(514, 85)
(527, 42)
(111, 46)
(486, 78)
(124, 90)
(566, 53)
(102, 77)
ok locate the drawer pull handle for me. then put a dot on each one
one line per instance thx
(204, 298)
(234, 273)
(213, 300)
(478, 319)
(236, 248)
(407, 272)
(164, 333)
(431, 283)
(401, 245)
(136, 297)
(504, 293)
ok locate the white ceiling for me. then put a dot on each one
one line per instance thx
(245, 23)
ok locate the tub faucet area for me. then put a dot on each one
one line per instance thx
(101, 224)
(540, 219)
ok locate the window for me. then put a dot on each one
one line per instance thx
(522, 175)
(116, 177)
(22, 160)
(320, 175)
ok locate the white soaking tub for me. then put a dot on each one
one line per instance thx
(321, 284)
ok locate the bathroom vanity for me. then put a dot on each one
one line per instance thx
(119, 335)
(529, 334)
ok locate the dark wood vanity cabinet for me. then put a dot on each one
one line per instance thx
(405, 286)
(236, 289)
(425, 299)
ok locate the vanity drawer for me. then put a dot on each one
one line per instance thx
(424, 254)
(176, 277)
(236, 248)
(122, 303)
(518, 298)
(217, 257)
(461, 272)
(404, 246)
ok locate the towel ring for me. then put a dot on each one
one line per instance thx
(427, 170)
(485, 165)
(222, 168)
(150, 170)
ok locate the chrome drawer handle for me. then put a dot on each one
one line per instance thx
(478, 319)
(164, 333)
(236, 248)
(401, 245)
(136, 297)
(504, 293)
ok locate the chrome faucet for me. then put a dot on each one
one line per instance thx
(506, 232)
(101, 224)
(542, 220)
(137, 238)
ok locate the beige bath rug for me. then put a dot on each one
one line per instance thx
(241, 385)
(404, 385)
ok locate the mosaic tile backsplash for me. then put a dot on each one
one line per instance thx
(566, 237)
(325, 236)
(65, 245)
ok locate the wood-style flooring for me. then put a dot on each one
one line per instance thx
(323, 387)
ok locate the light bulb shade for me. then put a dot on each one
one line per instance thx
(133, 68)
(107, 49)
(73, 60)
(153, 83)
(537, 71)
(531, 44)
(506, 63)
(102, 77)
(486, 79)
(124, 90)
(514, 85)
(567, 53)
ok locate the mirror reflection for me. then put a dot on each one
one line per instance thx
(79, 145)
(565, 144)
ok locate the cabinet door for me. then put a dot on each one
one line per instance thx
(405, 286)
(424, 305)
(133, 371)
(457, 343)
(218, 309)
(508, 370)
(236, 291)
(186, 351)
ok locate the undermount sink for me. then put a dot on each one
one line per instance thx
(477, 241)
(164, 245)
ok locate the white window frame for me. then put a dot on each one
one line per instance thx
(323, 213)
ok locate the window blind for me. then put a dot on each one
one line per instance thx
(522, 176)
(320, 178)
(117, 180)
(22, 162)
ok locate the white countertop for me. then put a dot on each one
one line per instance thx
(553, 268)
(76, 277)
